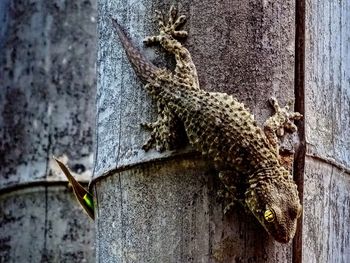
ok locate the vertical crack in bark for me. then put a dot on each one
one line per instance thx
(44, 257)
(97, 222)
(122, 216)
(95, 145)
(299, 89)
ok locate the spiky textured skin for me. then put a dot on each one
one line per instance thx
(220, 127)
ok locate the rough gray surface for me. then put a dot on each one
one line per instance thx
(170, 212)
(328, 79)
(326, 228)
(44, 224)
(47, 95)
(47, 80)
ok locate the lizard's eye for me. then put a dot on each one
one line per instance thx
(269, 215)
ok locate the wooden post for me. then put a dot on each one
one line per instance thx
(47, 96)
(326, 223)
(153, 207)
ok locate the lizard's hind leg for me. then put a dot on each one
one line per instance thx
(169, 27)
(185, 70)
(166, 132)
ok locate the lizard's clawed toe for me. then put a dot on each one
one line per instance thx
(169, 27)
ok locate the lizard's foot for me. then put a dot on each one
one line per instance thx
(165, 134)
(169, 27)
(228, 198)
(159, 137)
(282, 119)
(231, 194)
(185, 70)
(280, 122)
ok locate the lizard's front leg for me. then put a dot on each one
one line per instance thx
(233, 193)
(279, 123)
(185, 70)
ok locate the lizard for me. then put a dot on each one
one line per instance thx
(221, 128)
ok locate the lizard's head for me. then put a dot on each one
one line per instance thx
(273, 198)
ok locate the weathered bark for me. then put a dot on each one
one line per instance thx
(47, 82)
(154, 207)
(326, 224)
(44, 224)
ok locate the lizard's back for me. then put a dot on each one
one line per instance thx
(218, 125)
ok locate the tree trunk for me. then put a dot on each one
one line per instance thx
(47, 82)
(326, 223)
(153, 207)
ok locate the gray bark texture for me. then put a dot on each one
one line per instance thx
(326, 224)
(47, 96)
(153, 207)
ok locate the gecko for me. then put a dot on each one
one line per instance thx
(221, 128)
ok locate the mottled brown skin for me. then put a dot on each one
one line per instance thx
(221, 128)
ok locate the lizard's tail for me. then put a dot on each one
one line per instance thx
(144, 68)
